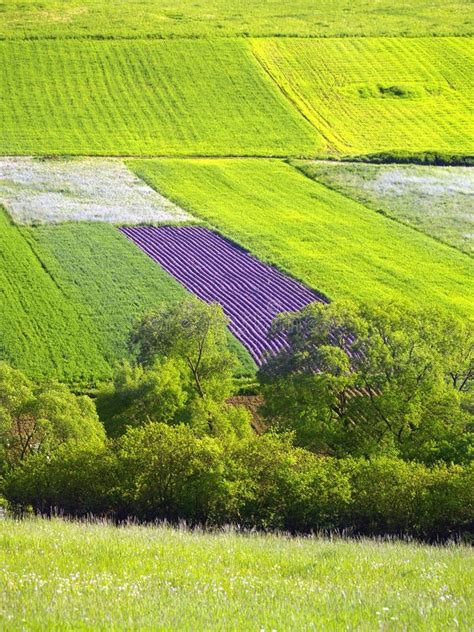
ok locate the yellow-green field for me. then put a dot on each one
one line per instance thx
(65, 576)
(327, 240)
(372, 95)
(216, 18)
(144, 98)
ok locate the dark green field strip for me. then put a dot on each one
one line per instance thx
(332, 243)
(180, 97)
(41, 331)
(134, 18)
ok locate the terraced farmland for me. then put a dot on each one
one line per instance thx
(144, 97)
(436, 200)
(332, 243)
(373, 95)
(215, 270)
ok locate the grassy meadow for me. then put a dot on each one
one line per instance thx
(372, 94)
(136, 18)
(159, 97)
(332, 243)
(435, 200)
(58, 575)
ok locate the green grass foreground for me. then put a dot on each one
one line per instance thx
(63, 576)
(327, 240)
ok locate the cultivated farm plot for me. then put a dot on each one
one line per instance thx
(41, 191)
(331, 243)
(144, 97)
(373, 95)
(70, 294)
(215, 270)
(437, 200)
(41, 331)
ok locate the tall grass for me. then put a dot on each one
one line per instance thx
(59, 575)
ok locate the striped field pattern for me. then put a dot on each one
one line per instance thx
(215, 270)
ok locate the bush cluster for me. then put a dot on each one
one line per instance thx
(159, 472)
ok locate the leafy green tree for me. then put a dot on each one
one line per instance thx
(373, 379)
(277, 485)
(194, 333)
(185, 374)
(169, 473)
(141, 394)
(37, 419)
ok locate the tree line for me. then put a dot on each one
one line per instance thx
(367, 417)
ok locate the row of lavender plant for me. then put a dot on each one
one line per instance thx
(215, 270)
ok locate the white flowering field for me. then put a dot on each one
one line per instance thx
(66, 576)
(48, 191)
(438, 201)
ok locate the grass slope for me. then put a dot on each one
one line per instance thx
(131, 18)
(329, 241)
(144, 97)
(375, 95)
(59, 575)
(436, 200)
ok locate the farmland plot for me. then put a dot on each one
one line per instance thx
(40, 191)
(250, 292)
(437, 200)
(333, 244)
(41, 332)
(144, 97)
(374, 95)
(69, 295)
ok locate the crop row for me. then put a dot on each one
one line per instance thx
(251, 293)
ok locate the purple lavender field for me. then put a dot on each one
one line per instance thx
(215, 270)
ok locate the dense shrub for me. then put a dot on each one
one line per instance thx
(158, 472)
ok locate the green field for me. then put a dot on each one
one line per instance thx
(435, 200)
(71, 295)
(135, 18)
(376, 95)
(331, 242)
(56, 575)
(145, 98)
(40, 331)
